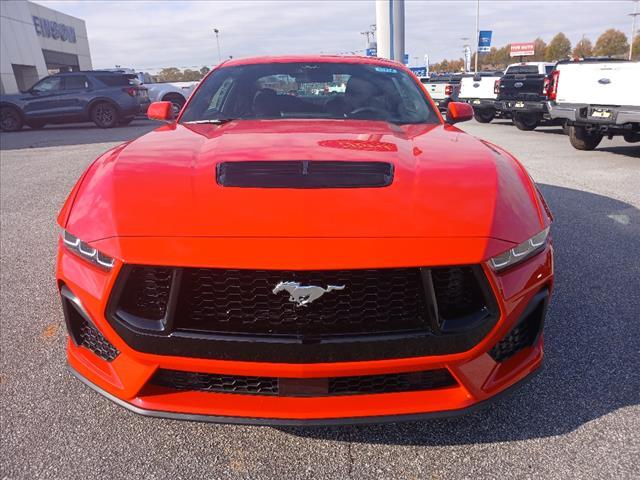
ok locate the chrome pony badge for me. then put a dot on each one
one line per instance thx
(304, 295)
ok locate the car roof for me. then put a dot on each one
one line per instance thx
(312, 58)
(85, 72)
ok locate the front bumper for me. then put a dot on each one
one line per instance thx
(127, 378)
(583, 114)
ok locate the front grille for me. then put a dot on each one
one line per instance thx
(242, 301)
(304, 174)
(91, 338)
(266, 315)
(302, 387)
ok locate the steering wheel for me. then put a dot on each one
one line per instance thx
(367, 109)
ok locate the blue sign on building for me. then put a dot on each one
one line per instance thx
(484, 40)
(57, 31)
(419, 71)
(372, 52)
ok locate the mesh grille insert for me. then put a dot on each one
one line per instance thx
(243, 301)
(357, 385)
(146, 292)
(91, 338)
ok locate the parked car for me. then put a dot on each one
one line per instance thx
(522, 91)
(596, 98)
(105, 98)
(479, 90)
(277, 259)
(174, 92)
(443, 89)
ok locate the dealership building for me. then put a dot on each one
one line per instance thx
(36, 41)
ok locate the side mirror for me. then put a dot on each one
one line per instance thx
(459, 112)
(160, 111)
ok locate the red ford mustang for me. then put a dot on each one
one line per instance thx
(308, 242)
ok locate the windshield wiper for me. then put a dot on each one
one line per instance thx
(213, 121)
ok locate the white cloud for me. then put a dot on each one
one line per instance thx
(155, 34)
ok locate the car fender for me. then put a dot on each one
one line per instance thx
(93, 101)
(5, 103)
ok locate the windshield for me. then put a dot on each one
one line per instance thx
(311, 91)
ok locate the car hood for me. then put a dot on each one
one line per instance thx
(446, 184)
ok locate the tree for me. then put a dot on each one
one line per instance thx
(204, 70)
(170, 74)
(558, 48)
(583, 48)
(191, 75)
(612, 43)
(539, 47)
(636, 48)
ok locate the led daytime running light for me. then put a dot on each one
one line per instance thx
(86, 251)
(521, 252)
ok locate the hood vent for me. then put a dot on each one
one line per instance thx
(304, 174)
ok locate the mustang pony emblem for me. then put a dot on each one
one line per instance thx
(304, 295)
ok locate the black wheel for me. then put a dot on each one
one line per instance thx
(526, 121)
(581, 139)
(125, 121)
(177, 102)
(104, 115)
(484, 115)
(36, 124)
(10, 119)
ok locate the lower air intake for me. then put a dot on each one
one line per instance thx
(304, 387)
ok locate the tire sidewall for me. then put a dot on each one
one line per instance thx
(18, 121)
(484, 115)
(104, 115)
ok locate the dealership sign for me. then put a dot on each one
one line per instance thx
(50, 29)
(522, 49)
(484, 41)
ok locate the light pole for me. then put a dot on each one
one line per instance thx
(217, 32)
(633, 30)
(475, 70)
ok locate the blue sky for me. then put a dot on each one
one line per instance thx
(149, 35)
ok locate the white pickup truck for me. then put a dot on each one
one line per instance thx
(479, 90)
(596, 98)
(443, 88)
(174, 92)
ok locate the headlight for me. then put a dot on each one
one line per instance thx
(517, 254)
(86, 251)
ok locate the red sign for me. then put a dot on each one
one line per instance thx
(522, 49)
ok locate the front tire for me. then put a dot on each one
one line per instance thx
(104, 115)
(526, 121)
(10, 119)
(582, 140)
(484, 115)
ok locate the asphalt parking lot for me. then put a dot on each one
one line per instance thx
(579, 418)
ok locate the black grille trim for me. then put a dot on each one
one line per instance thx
(81, 330)
(526, 331)
(430, 334)
(303, 387)
(304, 174)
